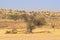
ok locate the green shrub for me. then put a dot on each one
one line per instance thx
(39, 22)
(13, 16)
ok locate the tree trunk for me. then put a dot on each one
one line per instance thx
(29, 28)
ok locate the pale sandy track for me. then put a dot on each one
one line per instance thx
(40, 36)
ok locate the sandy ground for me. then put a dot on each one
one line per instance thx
(52, 35)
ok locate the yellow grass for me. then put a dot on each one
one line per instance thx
(53, 35)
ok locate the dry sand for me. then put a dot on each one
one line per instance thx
(53, 35)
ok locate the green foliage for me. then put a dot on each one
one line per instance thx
(13, 16)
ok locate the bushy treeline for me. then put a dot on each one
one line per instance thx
(31, 20)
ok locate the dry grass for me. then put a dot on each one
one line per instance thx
(53, 35)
